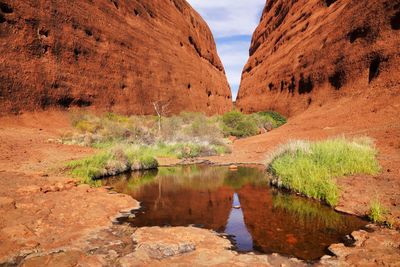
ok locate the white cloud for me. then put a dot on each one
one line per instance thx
(234, 55)
(232, 23)
(230, 17)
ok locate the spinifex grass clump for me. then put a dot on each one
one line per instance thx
(378, 213)
(111, 162)
(311, 168)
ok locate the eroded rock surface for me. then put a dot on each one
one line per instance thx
(42, 221)
(114, 55)
(307, 53)
(381, 247)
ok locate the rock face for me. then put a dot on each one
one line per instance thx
(308, 52)
(115, 55)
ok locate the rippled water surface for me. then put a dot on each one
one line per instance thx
(239, 203)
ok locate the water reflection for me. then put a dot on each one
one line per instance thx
(267, 220)
(237, 227)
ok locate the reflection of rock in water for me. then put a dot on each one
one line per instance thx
(200, 198)
(292, 225)
(237, 228)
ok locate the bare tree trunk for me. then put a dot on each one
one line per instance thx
(161, 110)
(156, 108)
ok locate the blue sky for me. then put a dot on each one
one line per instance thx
(232, 23)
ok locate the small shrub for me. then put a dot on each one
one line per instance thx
(86, 126)
(311, 168)
(237, 124)
(188, 150)
(269, 117)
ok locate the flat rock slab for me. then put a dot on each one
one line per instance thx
(189, 246)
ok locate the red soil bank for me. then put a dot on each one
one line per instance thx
(310, 52)
(114, 55)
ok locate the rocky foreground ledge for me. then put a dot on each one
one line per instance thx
(187, 246)
(60, 223)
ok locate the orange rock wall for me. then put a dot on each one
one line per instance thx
(309, 52)
(113, 55)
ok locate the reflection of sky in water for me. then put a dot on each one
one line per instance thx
(237, 227)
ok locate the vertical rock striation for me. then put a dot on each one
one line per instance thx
(115, 55)
(308, 52)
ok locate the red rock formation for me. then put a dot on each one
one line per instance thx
(113, 55)
(308, 52)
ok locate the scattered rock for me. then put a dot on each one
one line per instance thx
(59, 186)
(359, 237)
(233, 167)
(48, 188)
(69, 186)
(339, 250)
(268, 126)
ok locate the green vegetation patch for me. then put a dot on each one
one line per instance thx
(272, 118)
(238, 124)
(110, 162)
(379, 214)
(311, 168)
(134, 142)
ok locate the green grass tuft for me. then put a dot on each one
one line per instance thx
(311, 168)
(377, 213)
